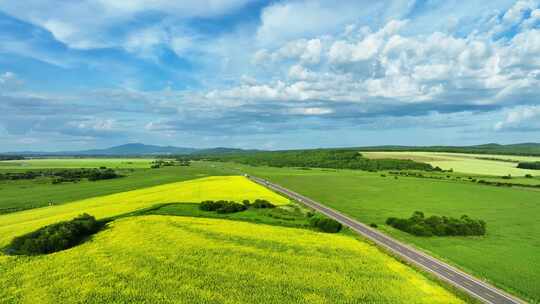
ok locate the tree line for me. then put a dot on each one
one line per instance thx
(529, 165)
(419, 225)
(65, 175)
(319, 158)
(11, 157)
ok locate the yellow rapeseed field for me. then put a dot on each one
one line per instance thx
(167, 259)
(212, 188)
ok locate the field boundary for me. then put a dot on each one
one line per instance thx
(471, 285)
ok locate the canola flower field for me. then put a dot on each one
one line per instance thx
(212, 188)
(166, 259)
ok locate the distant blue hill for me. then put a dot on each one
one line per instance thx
(134, 149)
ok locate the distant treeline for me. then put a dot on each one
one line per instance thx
(11, 157)
(529, 165)
(527, 149)
(169, 163)
(419, 225)
(65, 175)
(320, 158)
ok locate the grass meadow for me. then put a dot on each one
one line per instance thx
(508, 255)
(67, 163)
(465, 163)
(170, 259)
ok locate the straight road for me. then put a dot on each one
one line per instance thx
(475, 287)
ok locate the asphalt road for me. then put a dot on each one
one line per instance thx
(463, 281)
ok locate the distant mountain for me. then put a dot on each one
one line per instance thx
(134, 149)
(137, 149)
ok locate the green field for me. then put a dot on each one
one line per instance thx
(465, 163)
(508, 255)
(45, 163)
(23, 194)
(248, 257)
(164, 259)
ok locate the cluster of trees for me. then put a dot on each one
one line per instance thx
(60, 176)
(419, 225)
(55, 237)
(223, 206)
(156, 164)
(325, 224)
(319, 158)
(529, 165)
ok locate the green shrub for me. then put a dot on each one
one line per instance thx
(231, 207)
(222, 206)
(419, 225)
(262, 204)
(325, 224)
(55, 237)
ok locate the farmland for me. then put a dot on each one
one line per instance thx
(229, 188)
(208, 260)
(42, 163)
(25, 194)
(485, 164)
(160, 240)
(511, 214)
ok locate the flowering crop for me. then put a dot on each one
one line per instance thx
(213, 188)
(168, 259)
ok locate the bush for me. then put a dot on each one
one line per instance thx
(419, 225)
(55, 237)
(222, 206)
(231, 207)
(528, 176)
(373, 225)
(262, 204)
(325, 224)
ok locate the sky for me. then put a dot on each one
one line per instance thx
(268, 74)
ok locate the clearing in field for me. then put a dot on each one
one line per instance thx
(485, 164)
(210, 188)
(155, 259)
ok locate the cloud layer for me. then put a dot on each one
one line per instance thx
(241, 73)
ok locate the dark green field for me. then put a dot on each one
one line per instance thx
(508, 255)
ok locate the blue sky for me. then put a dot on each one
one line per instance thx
(268, 74)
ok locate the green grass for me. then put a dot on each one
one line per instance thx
(289, 215)
(173, 259)
(509, 255)
(464, 163)
(26, 194)
(65, 163)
